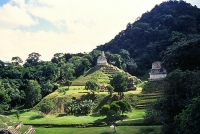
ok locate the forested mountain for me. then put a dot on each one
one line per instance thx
(148, 37)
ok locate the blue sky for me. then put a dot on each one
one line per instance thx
(67, 26)
(3, 2)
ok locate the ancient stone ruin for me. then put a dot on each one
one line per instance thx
(131, 84)
(102, 61)
(157, 72)
(16, 129)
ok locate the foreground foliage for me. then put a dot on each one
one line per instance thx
(183, 87)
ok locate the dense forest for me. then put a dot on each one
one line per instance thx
(170, 33)
(148, 37)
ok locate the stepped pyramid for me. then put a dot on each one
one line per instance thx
(111, 70)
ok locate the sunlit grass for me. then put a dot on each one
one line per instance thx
(100, 130)
(27, 118)
(136, 113)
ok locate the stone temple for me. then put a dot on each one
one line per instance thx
(157, 72)
(102, 61)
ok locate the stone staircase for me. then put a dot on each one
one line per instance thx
(145, 99)
(13, 130)
(111, 70)
(16, 129)
(151, 92)
(30, 130)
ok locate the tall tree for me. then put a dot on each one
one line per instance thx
(112, 117)
(119, 82)
(33, 59)
(17, 60)
(4, 101)
(91, 85)
(58, 57)
(33, 93)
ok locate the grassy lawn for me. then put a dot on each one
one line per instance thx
(36, 118)
(130, 122)
(139, 113)
(78, 91)
(4, 119)
(100, 130)
(32, 117)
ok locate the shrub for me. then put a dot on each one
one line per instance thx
(46, 107)
(104, 110)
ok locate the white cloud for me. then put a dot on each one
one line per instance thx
(13, 16)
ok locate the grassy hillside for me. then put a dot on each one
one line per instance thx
(102, 74)
(59, 98)
(57, 118)
(137, 99)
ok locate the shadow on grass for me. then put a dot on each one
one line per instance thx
(100, 120)
(95, 115)
(13, 111)
(108, 133)
(61, 115)
(150, 130)
(36, 117)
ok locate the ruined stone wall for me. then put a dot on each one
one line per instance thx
(157, 76)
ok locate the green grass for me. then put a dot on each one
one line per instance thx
(4, 119)
(58, 99)
(130, 122)
(26, 118)
(24, 128)
(31, 118)
(101, 130)
(93, 72)
(99, 73)
(136, 113)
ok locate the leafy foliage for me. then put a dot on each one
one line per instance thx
(33, 93)
(119, 106)
(78, 108)
(110, 89)
(91, 85)
(104, 110)
(46, 107)
(182, 88)
(112, 117)
(183, 55)
(119, 82)
(143, 41)
(187, 121)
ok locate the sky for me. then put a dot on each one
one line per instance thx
(64, 26)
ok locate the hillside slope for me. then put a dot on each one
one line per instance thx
(154, 31)
(102, 74)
